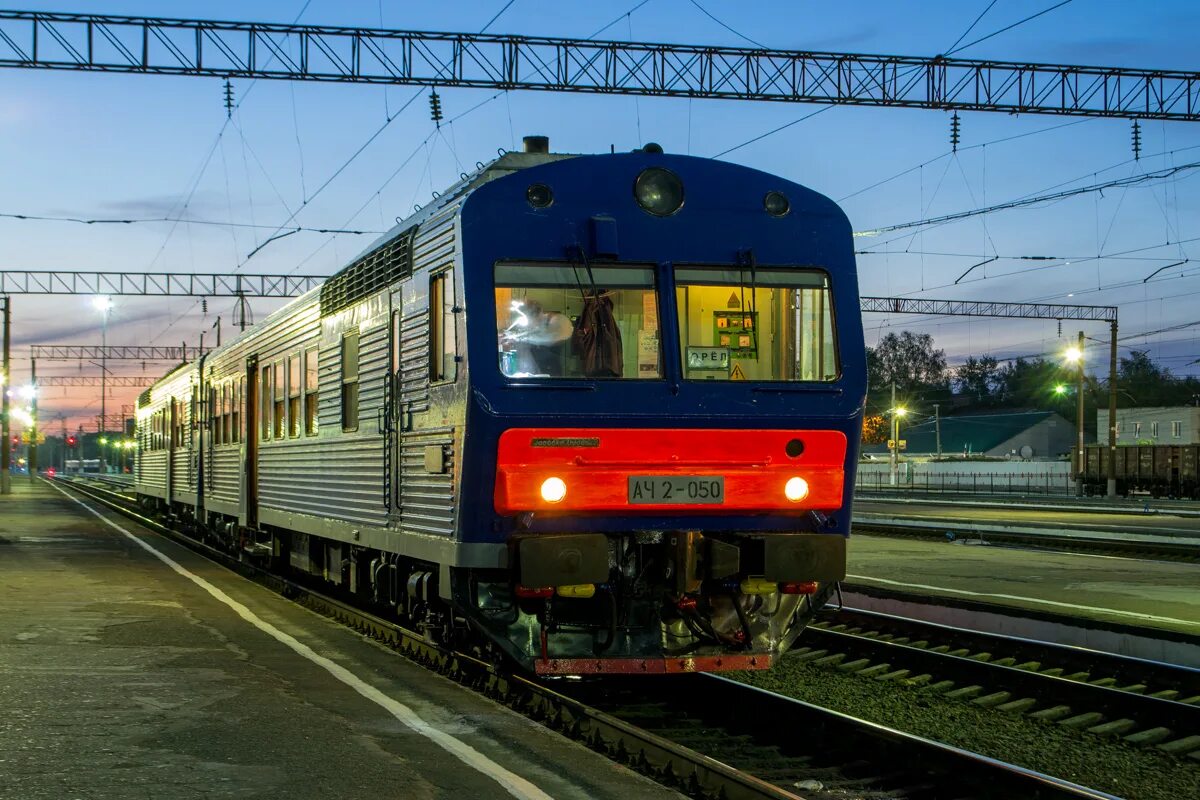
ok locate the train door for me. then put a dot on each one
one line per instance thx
(391, 422)
(250, 413)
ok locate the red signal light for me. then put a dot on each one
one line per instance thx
(535, 592)
(798, 587)
(70, 441)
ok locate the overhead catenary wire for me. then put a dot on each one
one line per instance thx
(189, 221)
(1008, 27)
(726, 26)
(1131, 180)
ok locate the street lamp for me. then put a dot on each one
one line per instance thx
(1074, 355)
(897, 413)
(103, 304)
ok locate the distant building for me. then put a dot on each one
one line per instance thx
(1029, 435)
(1162, 425)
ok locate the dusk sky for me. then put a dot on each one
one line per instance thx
(135, 147)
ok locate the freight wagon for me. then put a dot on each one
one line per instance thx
(1160, 469)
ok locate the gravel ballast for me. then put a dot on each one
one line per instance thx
(1092, 760)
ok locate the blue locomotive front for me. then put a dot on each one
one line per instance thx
(664, 400)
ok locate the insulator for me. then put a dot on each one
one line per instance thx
(435, 107)
(204, 305)
(955, 127)
(1137, 141)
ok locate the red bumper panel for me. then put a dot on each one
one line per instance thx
(596, 464)
(651, 666)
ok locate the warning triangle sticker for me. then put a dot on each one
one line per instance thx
(733, 301)
(736, 373)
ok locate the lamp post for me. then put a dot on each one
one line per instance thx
(1074, 355)
(5, 466)
(103, 304)
(897, 413)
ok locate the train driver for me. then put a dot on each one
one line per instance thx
(535, 342)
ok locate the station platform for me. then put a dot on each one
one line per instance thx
(1161, 598)
(130, 666)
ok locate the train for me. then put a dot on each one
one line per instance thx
(584, 414)
(1163, 470)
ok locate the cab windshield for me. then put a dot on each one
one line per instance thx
(755, 325)
(577, 321)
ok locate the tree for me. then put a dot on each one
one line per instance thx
(1141, 382)
(910, 361)
(875, 429)
(1030, 382)
(979, 379)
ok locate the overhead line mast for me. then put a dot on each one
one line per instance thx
(109, 43)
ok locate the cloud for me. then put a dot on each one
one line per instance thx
(845, 40)
(203, 205)
(70, 329)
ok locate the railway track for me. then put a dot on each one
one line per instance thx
(710, 736)
(1147, 703)
(1040, 539)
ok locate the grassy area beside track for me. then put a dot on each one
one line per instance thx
(1104, 763)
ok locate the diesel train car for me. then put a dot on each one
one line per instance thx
(1161, 469)
(592, 414)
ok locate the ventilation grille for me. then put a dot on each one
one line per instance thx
(143, 399)
(382, 266)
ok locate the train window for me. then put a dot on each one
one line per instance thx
(266, 402)
(443, 341)
(761, 325)
(571, 321)
(214, 431)
(310, 391)
(350, 381)
(280, 398)
(1177, 429)
(294, 379)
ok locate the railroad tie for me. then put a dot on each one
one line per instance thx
(1116, 727)
(1149, 736)
(1052, 714)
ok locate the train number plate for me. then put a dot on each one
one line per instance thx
(677, 489)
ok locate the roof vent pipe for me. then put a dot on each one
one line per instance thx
(536, 144)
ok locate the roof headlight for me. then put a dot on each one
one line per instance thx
(658, 191)
(539, 195)
(777, 204)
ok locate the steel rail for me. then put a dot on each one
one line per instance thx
(592, 712)
(1088, 705)
(1048, 540)
(1158, 676)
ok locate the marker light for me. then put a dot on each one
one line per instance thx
(553, 490)
(777, 204)
(796, 489)
(659, 191)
